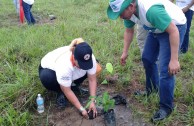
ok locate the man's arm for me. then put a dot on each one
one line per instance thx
(128, 38)
(173, 32)
(185, 9)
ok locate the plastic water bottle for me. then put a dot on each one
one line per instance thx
(40, 104)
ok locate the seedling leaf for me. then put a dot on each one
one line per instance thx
(109, 67)
(104, 82)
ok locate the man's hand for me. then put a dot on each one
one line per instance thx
(174, 67)
(185, 9)
(123, 58)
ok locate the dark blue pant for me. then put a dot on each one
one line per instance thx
(27, 12)
(49, 79)
(185, 45)
(157, 46)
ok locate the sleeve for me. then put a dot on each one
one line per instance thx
(93, 69)
(128, 23)
(158, 17)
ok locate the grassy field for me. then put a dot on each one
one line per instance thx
(23, 46)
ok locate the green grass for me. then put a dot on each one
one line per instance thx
(22, 47)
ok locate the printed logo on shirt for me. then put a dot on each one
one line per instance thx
(65, 78)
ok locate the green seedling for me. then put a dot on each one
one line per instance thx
(105, 101)
(109, 69)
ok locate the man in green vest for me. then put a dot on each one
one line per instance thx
(166, 24)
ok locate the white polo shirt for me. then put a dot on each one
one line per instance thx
(59, 60)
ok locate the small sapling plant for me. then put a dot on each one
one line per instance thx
(105, 101)
(107, 104)
(109, 69)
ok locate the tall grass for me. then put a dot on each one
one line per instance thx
(23, 46)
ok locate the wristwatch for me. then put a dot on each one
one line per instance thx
(81, 109)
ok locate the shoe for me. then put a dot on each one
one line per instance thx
(61, 100)
(160, 115)
(83, 92)
(80, 91)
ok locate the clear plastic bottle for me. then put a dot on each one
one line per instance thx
(40, 103)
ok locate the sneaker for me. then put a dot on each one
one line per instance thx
(83, 92)
(160, 115)
(80, 91)
(61, 100)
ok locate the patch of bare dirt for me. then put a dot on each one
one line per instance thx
(20, 100)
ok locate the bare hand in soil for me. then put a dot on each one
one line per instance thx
(93, 108)
(85, 114)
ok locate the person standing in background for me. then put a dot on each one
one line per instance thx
(17, 6)
(187, 7)
(27, 5)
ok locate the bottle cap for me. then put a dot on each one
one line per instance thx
(39, 95)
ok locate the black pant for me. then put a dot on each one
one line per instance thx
(49, 79)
